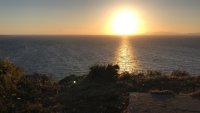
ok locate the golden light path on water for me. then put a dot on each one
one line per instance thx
(125, 57)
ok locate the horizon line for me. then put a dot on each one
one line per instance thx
(144, 34)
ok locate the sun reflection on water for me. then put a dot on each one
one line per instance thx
(125, 57)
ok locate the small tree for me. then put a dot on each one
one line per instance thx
(103, 73)
(8, 68)
(10, 75)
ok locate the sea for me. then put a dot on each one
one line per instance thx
(61, 56)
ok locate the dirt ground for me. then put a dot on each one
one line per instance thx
(151, 103)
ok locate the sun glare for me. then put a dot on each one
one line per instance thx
(125, 23)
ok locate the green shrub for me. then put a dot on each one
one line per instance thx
(179, 73)
(71, 80)
(125, 76)
(10, 75)
(7, 68)
(99, 73)
(92, 95)
(153, 74)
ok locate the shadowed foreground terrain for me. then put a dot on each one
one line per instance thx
(151, 103)
(102, 90)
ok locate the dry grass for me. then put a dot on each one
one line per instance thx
(162, 92)
(195, 94)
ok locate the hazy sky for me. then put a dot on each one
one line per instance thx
(93, 16)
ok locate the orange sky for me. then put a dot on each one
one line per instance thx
(92, 17)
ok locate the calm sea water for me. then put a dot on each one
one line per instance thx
(65, 55)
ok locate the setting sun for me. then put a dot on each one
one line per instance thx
(125, 23)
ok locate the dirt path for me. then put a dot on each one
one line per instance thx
(148, 103)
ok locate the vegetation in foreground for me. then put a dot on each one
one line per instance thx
(102, 90)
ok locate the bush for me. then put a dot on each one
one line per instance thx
(71, 80)
(179, 73)
(7, 68)
(153, 74)
(22, 93)
(93, 100)
(92, 95)
(125, 76)
(99, 73)
(10, 75)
